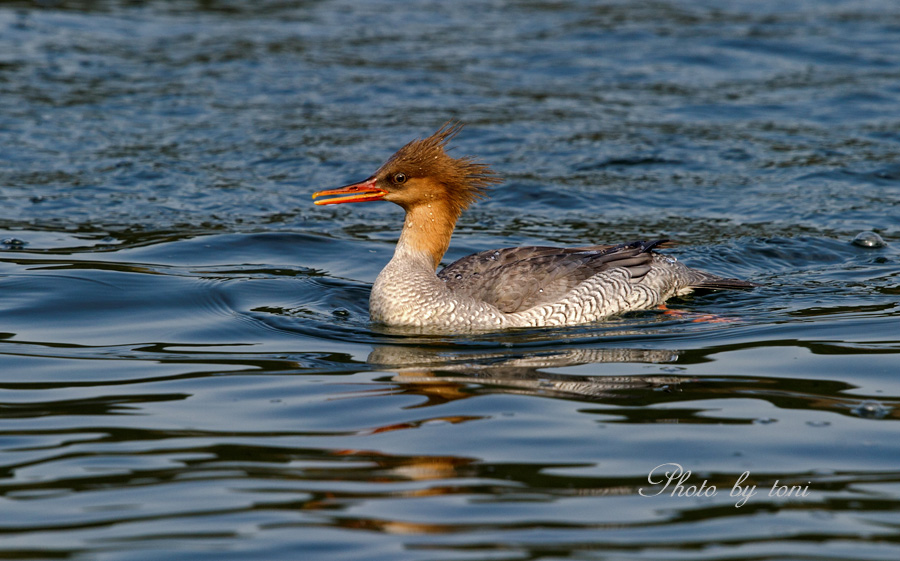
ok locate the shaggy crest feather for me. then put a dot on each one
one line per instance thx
(464, 179)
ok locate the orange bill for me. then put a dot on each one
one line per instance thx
(356, 193)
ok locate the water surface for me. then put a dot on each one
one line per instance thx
(187, 369)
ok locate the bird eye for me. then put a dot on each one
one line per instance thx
(399, 178)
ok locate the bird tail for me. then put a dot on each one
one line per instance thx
(709, 281)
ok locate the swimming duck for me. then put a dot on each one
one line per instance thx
(532, 286)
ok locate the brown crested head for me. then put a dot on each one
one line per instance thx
(423, 173)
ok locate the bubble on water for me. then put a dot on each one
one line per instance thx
(13, 243)
(871, 409)
(869, 239)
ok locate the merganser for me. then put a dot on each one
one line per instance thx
(504, 288)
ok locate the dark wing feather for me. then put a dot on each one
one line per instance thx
(519, 278)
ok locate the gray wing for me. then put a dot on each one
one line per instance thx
(519, 278)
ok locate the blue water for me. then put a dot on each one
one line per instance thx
(187, 368)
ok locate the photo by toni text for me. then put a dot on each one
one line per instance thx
(674, 480)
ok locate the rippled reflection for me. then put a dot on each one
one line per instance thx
(187, 366)
(437, 375)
